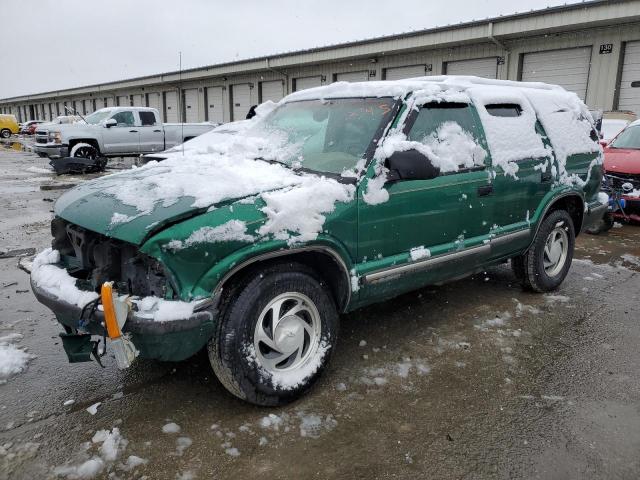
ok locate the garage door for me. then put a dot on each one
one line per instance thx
(241, 98)
(191, 105)
(110, 102)
(153, 101)
(124, 101)
(273, 90)
(138, 100)
(215, 105)
(171, 106)
(629, 94)
(568, 68)
(411, 71)
(362, 76)
(307, 82)
(479, 67)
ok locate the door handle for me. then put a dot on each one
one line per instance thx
(157, 131)
(545, 177)
(485, 190)
(133, 131)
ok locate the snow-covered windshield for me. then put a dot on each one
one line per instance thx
(629, 138)
(328, 136)
(612, 127)
(97, 117)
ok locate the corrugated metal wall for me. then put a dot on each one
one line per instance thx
(604, 71)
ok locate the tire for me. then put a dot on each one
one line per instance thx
(537, 266)
(239, 352)
(5, 133)
(84, 150)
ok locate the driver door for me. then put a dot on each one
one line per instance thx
(449, 216)
(123, 137)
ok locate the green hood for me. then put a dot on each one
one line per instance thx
(89, 206)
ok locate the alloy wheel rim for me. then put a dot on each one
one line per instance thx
(287, 333)
(85, 152)
(556, 249)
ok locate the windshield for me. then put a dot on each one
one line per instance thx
(328, 136)
(629, 138)
(611, 128)
(97, 117)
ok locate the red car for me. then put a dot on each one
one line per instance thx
(622, 172)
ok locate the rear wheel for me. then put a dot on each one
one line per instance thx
(545, 265)
(5, 133)
(275, 336)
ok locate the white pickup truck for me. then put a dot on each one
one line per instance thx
(115, 132)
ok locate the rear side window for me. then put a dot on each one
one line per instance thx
(504, 109)
(452, 133)
(147, 118)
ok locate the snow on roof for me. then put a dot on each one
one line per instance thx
(400, 88)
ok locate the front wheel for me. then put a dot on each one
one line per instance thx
(275, 336)
(5, 133)
(84, 150)
(545, 265)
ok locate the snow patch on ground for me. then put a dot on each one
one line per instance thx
(13, 359)
(171, 428)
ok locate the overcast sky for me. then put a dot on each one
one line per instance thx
(56, 44)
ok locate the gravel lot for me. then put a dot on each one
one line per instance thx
(473, 379)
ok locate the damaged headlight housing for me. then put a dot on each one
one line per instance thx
(55, 137)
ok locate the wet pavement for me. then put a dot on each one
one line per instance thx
(473, 379)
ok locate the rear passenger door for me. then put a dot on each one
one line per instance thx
(450, 215)
(151, 132)
(519, 199)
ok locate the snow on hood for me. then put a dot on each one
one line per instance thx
(126, 205)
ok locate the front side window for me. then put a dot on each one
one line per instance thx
(328, 136)
(124, 119)
(451, 133)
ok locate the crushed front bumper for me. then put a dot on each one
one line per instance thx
(51, 150)
(172, 340)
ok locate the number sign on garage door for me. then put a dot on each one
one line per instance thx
(191, 105)
(272, 90)
(362, 76)
(215, 105)
(241, 100)
(411, 71)
(629, 98)
(568, 68)
(479, 67)
(171, 106)
(307, 82)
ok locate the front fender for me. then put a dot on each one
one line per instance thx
(214, 279)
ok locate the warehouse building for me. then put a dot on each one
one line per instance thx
(591, 48)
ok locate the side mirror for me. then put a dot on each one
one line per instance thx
(110, 123)
(410, 165)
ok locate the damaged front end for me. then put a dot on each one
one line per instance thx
(139, 288)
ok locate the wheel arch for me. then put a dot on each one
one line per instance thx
(573, 203)
(91, 141)
(323, 260)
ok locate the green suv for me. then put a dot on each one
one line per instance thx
(251, 242)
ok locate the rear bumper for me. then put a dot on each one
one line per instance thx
(51, 151)
(593, 214)
(172, 340)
